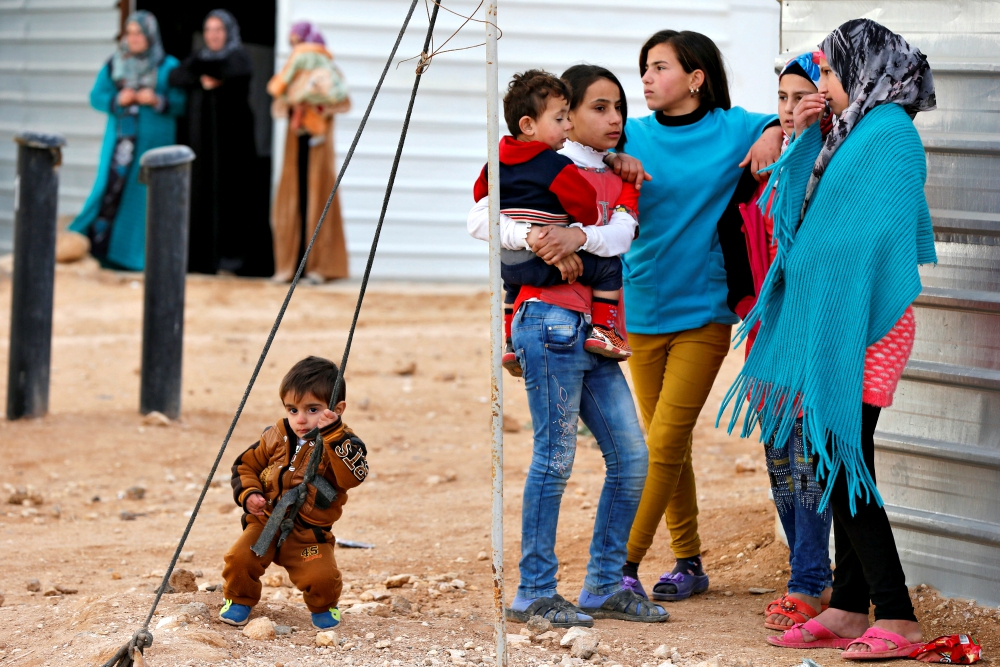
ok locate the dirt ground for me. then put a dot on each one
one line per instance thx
(425, 506)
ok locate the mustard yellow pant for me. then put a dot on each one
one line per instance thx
(672, 375)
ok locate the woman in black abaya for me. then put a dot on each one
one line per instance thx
(230, 230)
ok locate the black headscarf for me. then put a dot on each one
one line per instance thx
(233, 40)
(875, 66)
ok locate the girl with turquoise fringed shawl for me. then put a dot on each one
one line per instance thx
(142, 110)
(852, 225)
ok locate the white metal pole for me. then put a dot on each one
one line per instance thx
(496, 327)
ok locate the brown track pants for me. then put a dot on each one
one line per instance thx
(307, 554)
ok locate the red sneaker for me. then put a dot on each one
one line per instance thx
(607, 342)
(510, 361)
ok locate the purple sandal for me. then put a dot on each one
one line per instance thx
(634, 585)
(684, 585)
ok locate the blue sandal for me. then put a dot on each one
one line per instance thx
(680, 586)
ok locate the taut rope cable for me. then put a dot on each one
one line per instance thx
(142, 637)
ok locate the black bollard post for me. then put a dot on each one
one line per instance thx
(36, 192)
(167, 174)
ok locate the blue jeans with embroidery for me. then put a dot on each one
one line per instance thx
(796, 496)
(566, 384)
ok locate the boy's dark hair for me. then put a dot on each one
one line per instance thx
(313, 374)
(579, 78)
(695, 51)
(527, 95)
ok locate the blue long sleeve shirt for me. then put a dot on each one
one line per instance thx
(674, 273)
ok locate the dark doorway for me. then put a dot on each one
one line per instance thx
(180, 27)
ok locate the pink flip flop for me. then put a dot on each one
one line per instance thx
(824, 638)
(875, 639)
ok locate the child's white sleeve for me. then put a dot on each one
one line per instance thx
(513, 235)
(612, 239)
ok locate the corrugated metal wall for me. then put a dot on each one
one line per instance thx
(938, 447)
(425, 236)
(50, 52)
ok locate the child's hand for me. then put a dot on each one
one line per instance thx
(571, 267)
(556, 243)
(329, 417)
(765, 151)
(255, 504)
(126, 97)
(809, 110)
(629, 168)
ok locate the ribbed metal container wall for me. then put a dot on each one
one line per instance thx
(938, 446)
(50, 53)
(424, 235)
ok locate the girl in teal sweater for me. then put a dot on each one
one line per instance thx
(852, 225)
(677, 317)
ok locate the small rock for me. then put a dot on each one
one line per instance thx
(135, 492)
(745, 464)
(361, 608)
(457, 583)
(545, 637)
(282, 630)
(675, 657)
(381, 610)
(538, 624)
(24, 496)
(398, 580)
(169, 622)
(260, 628)
(34, 585)
(50, 591)
(383, 643)
(183, 581)
(155, 418)
(207, 637)
(482, 555)
(406, 369)
(728, 594)
(572, 634)
(125, 515)
(192, 609)
(513, 640)
(186, 557)
(434, 480)
(326, 638)
(662, 651)
(760, 591)
(1, 599)
(401, 604)
(584, 647)
(510, 425)
(714, 662)
(66, 590)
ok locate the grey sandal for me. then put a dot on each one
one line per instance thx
(560, 612)
(625, 605)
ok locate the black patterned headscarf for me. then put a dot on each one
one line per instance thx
(875, 66)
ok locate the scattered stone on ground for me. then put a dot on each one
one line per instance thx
(398, 580)
(260, 628)
(406, 369)
(326, 638)
(183, 581)
(514, 640)
(482, 555)
(572, 634)
(137, 492)
(401, 604)
(23, 495)
(538, 624)
(584, 646)
(186, 557)
(34, 585)
(155, 418)
(746, 464)
(192, 610)
(66, 590)
(277, 578)
(282, 630)
(759, 591)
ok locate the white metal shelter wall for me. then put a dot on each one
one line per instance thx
(424, 236)
(50, 53)
(938, 447)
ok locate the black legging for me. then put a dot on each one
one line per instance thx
(868, 569)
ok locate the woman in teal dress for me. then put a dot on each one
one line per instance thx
(142, 113)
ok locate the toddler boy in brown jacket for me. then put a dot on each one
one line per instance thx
(272, 467)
